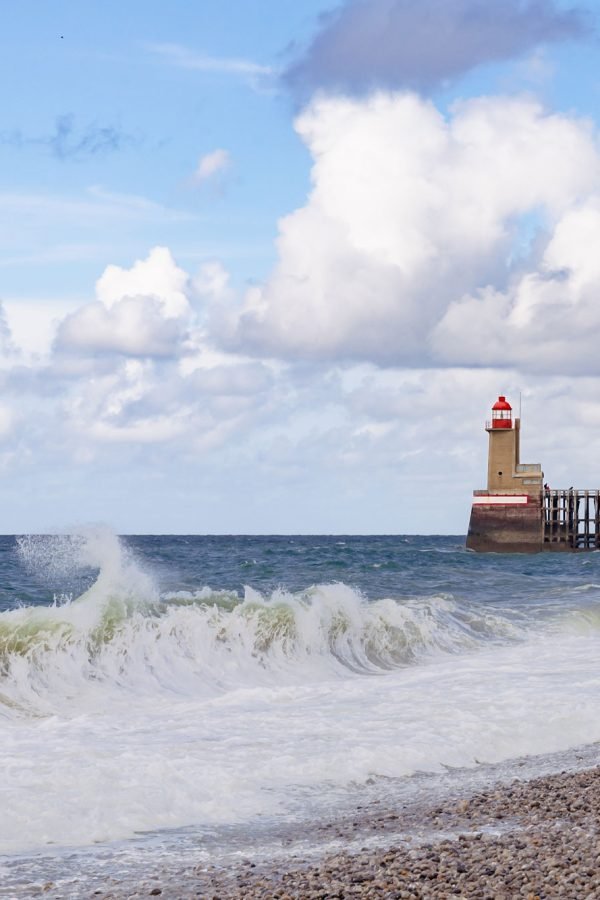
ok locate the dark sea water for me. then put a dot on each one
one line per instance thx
(38, 570)
(173, 688)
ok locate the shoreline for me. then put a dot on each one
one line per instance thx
(536, 839)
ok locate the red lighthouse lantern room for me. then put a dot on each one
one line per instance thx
(501, 413)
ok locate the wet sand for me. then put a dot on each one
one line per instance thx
(531, 839)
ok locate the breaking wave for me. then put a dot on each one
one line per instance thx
(122, 634)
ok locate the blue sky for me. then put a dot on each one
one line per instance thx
(265, 267)
(98, 70)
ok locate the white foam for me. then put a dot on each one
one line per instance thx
(162, 760)
(122, 714)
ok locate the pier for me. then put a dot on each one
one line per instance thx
(572, 519)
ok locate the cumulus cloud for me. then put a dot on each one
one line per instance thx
(411, 213)
(134, 326)
(141, 311)
(400, 43)
(548, 319)
(210, 165)
(134, 368)
(156, 276)
(155, 401)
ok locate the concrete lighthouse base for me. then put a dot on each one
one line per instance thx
(506, 527)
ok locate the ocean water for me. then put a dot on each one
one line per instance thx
(180, 693)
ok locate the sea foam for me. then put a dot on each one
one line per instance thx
(128, 710)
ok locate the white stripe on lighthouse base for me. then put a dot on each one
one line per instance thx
(501, 500)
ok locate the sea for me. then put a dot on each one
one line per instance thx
(175, 700)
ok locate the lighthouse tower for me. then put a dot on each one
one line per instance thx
(503, 455)
(507, 516)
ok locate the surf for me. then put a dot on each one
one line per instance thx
(139, 705)
(123, 635)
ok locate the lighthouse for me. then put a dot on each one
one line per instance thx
(507, 517)
(517, 512)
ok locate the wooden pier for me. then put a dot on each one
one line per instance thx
(571, 519)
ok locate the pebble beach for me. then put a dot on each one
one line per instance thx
(533, 839)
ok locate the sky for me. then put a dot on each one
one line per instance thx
(266, 266)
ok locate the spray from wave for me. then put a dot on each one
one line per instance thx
(98, 550)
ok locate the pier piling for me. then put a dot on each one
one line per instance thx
(572, 519)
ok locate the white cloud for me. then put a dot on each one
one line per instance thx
(156, 276)
(210, 165)
(184, 58)
(95, 204)
(409, 213)
(152, 401)
(548, 319)
(134, 326)
(32, 323)
(126, 404)
(212, 281)
(141, 311)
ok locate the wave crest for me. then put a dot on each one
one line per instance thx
(105, 646)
